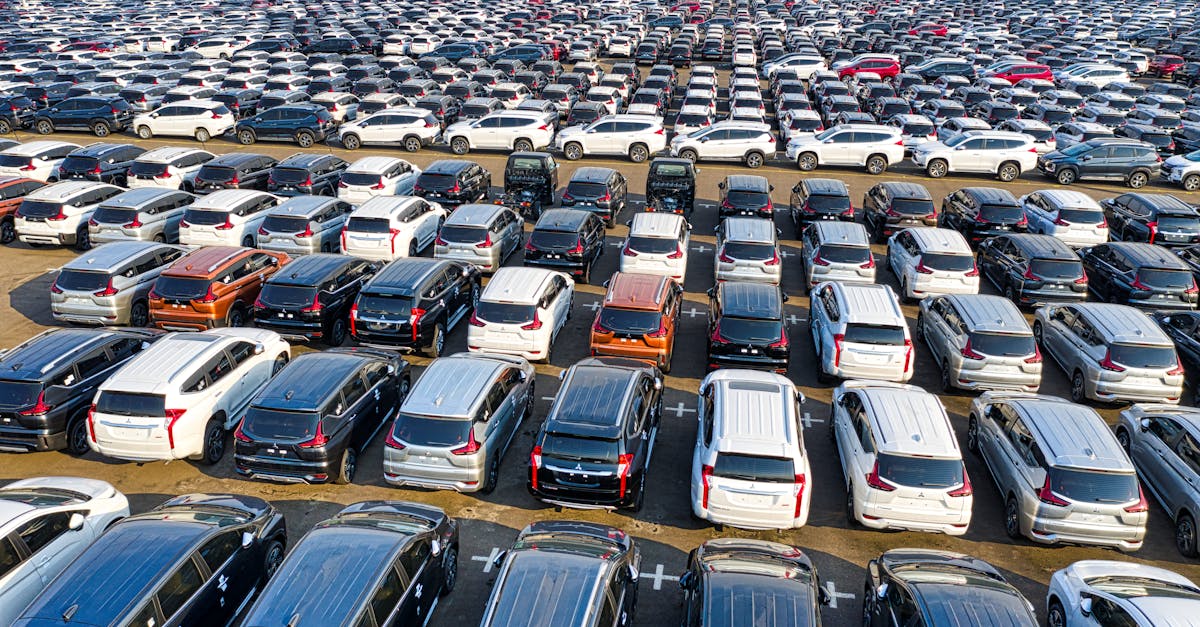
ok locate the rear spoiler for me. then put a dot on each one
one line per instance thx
(596, 531)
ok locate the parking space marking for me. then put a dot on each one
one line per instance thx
(834, 595)
(658, 576)
(616, 243)
(487, 559)
(680, 410)
(692, 313)
(793, 319)
(807, 419)
(594, 306)
(783, 252)
(701, 248)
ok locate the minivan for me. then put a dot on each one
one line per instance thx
(1032, 270)
(235, 170)
(657, 244)
(412, 303)
(1070, 216)
(1146, 276)
(483, 235)
(982, 212)
(859, 332)
(747, 250)
(146, 214)
(227, 217)
(929, 261)
(979, 342)
(746, 327)
(836, 251)
(521, 312)
(169, 167)
(311, 299)
(210, 287)
(385, 228)
(638, 318)
(110, 284)
(58, 214)
(453, 182)
(303, 225)
(603, 191)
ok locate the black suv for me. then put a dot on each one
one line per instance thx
(195, 559)
(1103, 159)
(727, 578)
(102, 115)
(1160, 139)
(893, 206)
(16, 112)
(745, 195)
(1033, 269)
(107, 163)
(405, 558)
(1183, 327)
(235, 170)
(305, 124)
(310, 299)
(1141, 275)
(1153, 218)
(819, 199)
(569, 240)
(413, 302)
(902, 591)
(982, 212)
(671, 186)
(48, 381)
(595, 570)
(310, 422)
(603, 191)
(306, 173)
(453, 182)
(593, 449)
(242, 102)
(745, 327)
(443, 107)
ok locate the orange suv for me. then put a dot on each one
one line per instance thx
(638, 318)
(214, 286)
(12, 192)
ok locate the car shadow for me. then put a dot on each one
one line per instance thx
(30, 298)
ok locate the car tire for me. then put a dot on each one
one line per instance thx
(1078, 390)
(236, 317)
(346, 467)
(937, 168)
(5, 126)
(1056, 616)
(973, 434)
(919, 329)
(754, 160)
(139, 314)
(1012, 518)
(460, 146)
(522, 145)
(876, 165)
(449, 570)
(1123, 439)
(279, 363)
(1138, 180)
(1191, 182)
(690, 155)
(350, 141)
(1011, 295)
(101, 129)
(214, 442)
(8, 230)
(1037, 333)
(1185, 535)
(807, 162)
(851, 517)
(1008, 172)
(945, 379)
(144, 132)
(639, 153)
(438, 344)
(412, 144)
(305, 139)
(640, 500)
(492, 478)
(1066, 176)
(83, 239)
(573, 151)
(77, 437)
(337, 333)
(245, 137)
(202, 135)
(44, 127)
(273, 557)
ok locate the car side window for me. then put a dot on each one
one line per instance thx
(412, 560)
(354, 390)
(1165, 429)
(92, 364)
(43, 530)
(1188, 450)
(9, 558)
(179, 588)
(903, 608)
(386, 597)
(375, 373)
(241, 352)
(1023, 442)
(707, 417)
(218, 550)
(220, 368)
(1110, 614)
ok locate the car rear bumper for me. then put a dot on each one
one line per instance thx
(1135, 392)
(284, 470)
(434, 477)
(14, 440)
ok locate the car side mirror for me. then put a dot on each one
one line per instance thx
(76, 522)
(499, 561)
(258, 349)
(247, 539)
(391, 369)
(770, 188)
(881, 591)
(1144, 424)
(1086, 158)
(823, 596)
(633, 573)
(784, 297)
(435, 548)
(1085, 606)
(658, 385)
(687, 581)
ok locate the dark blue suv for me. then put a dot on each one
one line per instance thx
(102, 115)
(305, 124)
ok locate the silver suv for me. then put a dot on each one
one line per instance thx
(109, 284)
(980, 342)
(1110, 352)
(1061, 472)
(1164, 443)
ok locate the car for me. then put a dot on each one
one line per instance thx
(13, 190)
(891, 206)
(201, 119)
(729, 578)
(657, 244)
(747, 249)
(815, 199)
(570, 240)
(509, 130)
(376, 176)
(411, 303)
(979, 342)
(303, 225)
(521, 312)
(598, 568)
(1072, 217)
(1003, 153)
(386, 228)
(453, 182)
(103, 115)
(612, 449)
(235, 170)
(169, 167)
(468, 435)
(37, 160)
(311, 301)
(1104, 592)
(1031, 270)
(304, 123)
(1161, 440)
(1141, 275)
(1065, 476)
(873, 146)
(408, 127)
(1131, 161)
(929, 260)
(306, 173)
(156, 567)
(103, 162)
(16, 112)
(900, 459)
(1159, 219)
(638, 318)
(637, 136)
(928, 585)
(140, 214)
(603, 191)
(858, 331)
(982, 212)
(311, 419)
(395, 560)
(225, 217)
(1126, 356)
(58, 214)
(835, 251)
(748, 142)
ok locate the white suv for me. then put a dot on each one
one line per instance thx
(516, 130)
(521, 312)
(638, 136)
(749, 142)
(749, 466)
(931, 261)
(37, 160)
(202, 119)
(657, 244)
(58, 214)
(176, 399)
(169, 167)
(1003, 153)
(859, 332)
(386, 228)
(900, 459)
(408, 127)
(873, 146)
(377, 176)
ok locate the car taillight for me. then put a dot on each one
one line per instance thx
(58, 216)
(392, 238)
(874, 481)
(414, 320)
(870, 262)
(629, 252)
(216, 116)
(1036, 358)
(782, 342)
(678, 254)
(172, 417)
(235, 180)
(317, 440)
(263, 231)
(307, 232)
(55, 289)
(1108, 364)
(314, 307)
(391, 442)
(1193, 289)
(39, 407)
(534, 325)
(1138, 285)
(774, 260)
(974, 271)
(28, 168)
(1141, 505)
(964, 489)
(578, 249)
(108, 290)
(378, 185)
(228, 224)
(970, 353)
(209, 296)
(1153, 226)
(1046, 495)
(240, 435)
(923, 269)
(165, 174)
(1178, 369)
(91, 422)
(535, 462)
(470, 448)
(706, 474)
(353, 316)
(661, 331)
(486, 243)
(624, 466)
(838, 340)
(1030, 275)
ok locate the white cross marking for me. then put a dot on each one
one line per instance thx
(658, 576)
(834, 595)
(488, 559)
(692, 313)
(784, 253)
(807, 419)
(701, 248)
(617, 243)
(793, 319)
(680, 410)
(547, 398)
(594, 306)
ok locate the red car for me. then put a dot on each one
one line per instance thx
(1164, 65)
(1021, 71)
(929, 28)
(885, 68)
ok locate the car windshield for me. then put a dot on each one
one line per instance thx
(1093, 487)
(287, 295)
(369, 225)
(553, 240)
(629, 320)
(180, 288)
(876, 334)
(1166, 279)
(504, 313)
(754, 468)
(274, 424)
(1143, 355)
(1002, 344)
(580, 449)
(1056, 268)
(431, 431)
(948, 262)
(81, 280)
(40, 209)
(920, 472)
(844, 254)
(131, 404)
(748, 251)
(749, 330)
(652, 245)
(19, 393)
(384, 304)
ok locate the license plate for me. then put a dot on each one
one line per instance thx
(78, 301)
(286, 315)
(750, 351)
(131, 434)
(554, 256)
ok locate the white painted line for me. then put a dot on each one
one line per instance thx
(548, 398)
(658, 576)
(834, 595)
(680, 410)
(692, 313)
(701, 248)
(488, 559)
(793, 319)
(807, 419)
(783, 252)
(617, 243)
(594, 306)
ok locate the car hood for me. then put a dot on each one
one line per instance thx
(571, 131)
(459, 126)
(804, 139)
(1180, 161)
(931, 146)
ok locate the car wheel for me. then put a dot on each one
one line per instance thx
(522, 145)
(1123, 439)
(44, 127)
(279, 363)
(1011, 295)
(973, 434)
(936, 168)
(690, 155)
(1078, 395)
(1008, 172)
(868, 603)
(1185, 535)
(919, 330)
(245, 137)
(640, 500)
(493, 475)
(101, 129)
(851, 517)
(237, 317)
(144, 132)
(1055, 615)
(248, 242)
(412, 144)
(876, 165)
(449, 570)
(665, 363)
(807, 162)
(77, 437)
(214, 442)
(439, 340)
(573, 151)
(350, 141)
(1012, 519)
(337, 333)
(754, 160)
(202, 135)
(412, 249)
(139, 314)
(272, 558)
(5, 126)
(1037, 332)
(460, 146)
(1138, 180)
(83, 239)
(346, 467)
(1066, 176)
(8, 231)
(638, 153)
(305, 139)
(947, 379)
(1191, 182)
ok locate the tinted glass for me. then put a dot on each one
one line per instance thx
(13, 161)
(426, 431)
(578, 189)
(19, 393)
(111, 215)
(1001, 213)
(845, 254)
(376, 304)
(1002, 344)
(920, 472)
(216, 173)
(463, 234)
(369, 225)
(750, 252)
(828, 203)
(1056, 269)
(40, 209)
(204, 217)
(653, 245)
(1165, 223)
(180, 288)
(360, 178)
(1081, 216)
(273, 424)
(1168, 279)
(1094, 487)
(179, 587)
(82, 281)
(147, 169)
(290, 176)
(79, 164)
(749, 199)
(754, 468)
(948, 263)
(285, 224)
(287, 295)
(130, 404)
(435, 181)
(504, 313)
(628, 320)
(1143, 356)
(580, 449)
(553, 239)
(909, 207)
(878, 335)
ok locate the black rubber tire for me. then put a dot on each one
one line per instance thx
(83, 239)
(1185, 535)
(876, 165)
(144, 132)
(214, 442)
(412, 144)
(101, 129)
(1012, 519)
(5, 126)
(305, 139)
(1191, 182)
(1078, 394)
(347, 465)
(77, 437)
(350, 141)
(449, 570)
(438, 344)
(8, 230)
(139, 314)
(273, 557)
(246, 137)
(492, 478)
(1055, 615)
(937, 168)
(43, 127)
(754, 160)
(460, 146)
(973, 434)
(690, 155)
(202, 135)
(1138, 179)
(1066, 176)
(522, 145)
(236, 318)
(807, 162)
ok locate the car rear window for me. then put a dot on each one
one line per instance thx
(287, 295)
(580, 449)
(14, 161)
(920, 472)
(180, 288)
(652, 245)
(837, 253)
(384, 304)
(361, 178)
(1081, 216)
(553, 239)
(1166, 279)
(290, 176)
(19, 393)
(504, 313)
(748, 252)
(1182, 223)
(369, 225)
(216, 173)
(430, 431)
(584, 189)
(823, 202)
(114, 215)
(204, 217)
(948, 263)
(1056, 268)
(131, 404)
(1001, 213)
(754, 468)
(1094, 487)
(39, 209)
(81, 280)
(749, 330)
(463, 234)
(912, 207)
(629, 320)
(285, 224)
(79, 164)
(147, 169)
(1002, 344)
(1143, 355)
(879, 335)
(275, 424)
(739, 198)
(435, 181)
(474, 111)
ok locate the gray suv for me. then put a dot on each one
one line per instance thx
(304, 225)
(1061, 472)
(109, 284)
(1164, 443)
(980, 342)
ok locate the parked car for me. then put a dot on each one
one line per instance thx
(306, 173)
(748, 142)
(1153, 218)
(521, 312)
(304, 123)
(37, 160)
(747, 249)
(859, 332)
(386, 228)
(657, 244)
(1070, 216)
(58, 214)
(835, 251)
(1133, 162)
(169, 167)
(569, 240)
(872, 146)
(891, 206)
(1099, 591)
(506, 129)
(200, 119)
(899, 586)
(412, 303)
(1002, 153)
(103, 162)
(982, 212)
(226, 217)
(637, 136)
(638, 319)
(408, 127)
(1031, 270)
(929, 261)
(453, 182)
(304, 225)
(311, 301)
(1141, 275)
(235, 170)
(103, 115)
(377, 176)
(13, 190)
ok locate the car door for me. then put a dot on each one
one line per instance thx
(1159, 464)
(498, 415)
(355, 421)
(230, 572)
(422, 575)
(604, 139)
(51, 544)
(486, 133)
(973, 156)
(939, 335)
(1053, 334)
(20, 580)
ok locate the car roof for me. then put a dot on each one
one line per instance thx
(592, 174)
(138, 196)
(98, 149)
(302, 160)
(454, 386)
(871, 303)
(828, 187)
(656, 224)
(383, 206)
(937, 240)
(747, 182)
(231, 159)
(546, 588)
(448, 165)
(205, 261)
(311, 270)
(635, 290)
(515, 284)
(301, 205)
(227, 199)
(590, 400)
(111, 256)
(165, 154)
(1069, 198)
(841, 233)
(373, 165)
(902, 189)
(62, 190)
(403, 275)
(310, 380)
(1043, 246)
(739, 229)
(908, 420)
(1123, 324)
(989, 313)
(1150, 255)
(1071, 435)
(42, 354)
(569, 220)
(751, 300)
(756, 413)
